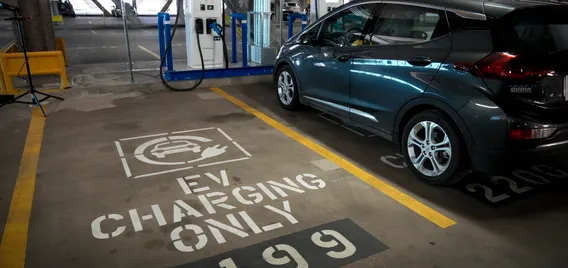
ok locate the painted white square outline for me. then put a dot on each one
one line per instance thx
(223, 133)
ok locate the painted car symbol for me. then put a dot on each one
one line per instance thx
(174, 147)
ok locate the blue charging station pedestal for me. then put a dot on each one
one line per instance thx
(164, 37)
(292, 18)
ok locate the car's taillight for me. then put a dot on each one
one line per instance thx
(531, 134)
(498, 65)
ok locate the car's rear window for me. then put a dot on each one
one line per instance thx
(539, 30)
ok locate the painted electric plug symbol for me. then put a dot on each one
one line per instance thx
(210, 152)
(213, 151)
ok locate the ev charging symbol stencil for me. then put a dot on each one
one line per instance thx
(174, 145)
(177, 151)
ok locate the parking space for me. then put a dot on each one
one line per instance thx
(227, 178)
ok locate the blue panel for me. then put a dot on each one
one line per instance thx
(234, 39)
(168, 36)
(291, 19)
(244, 30)
(162, 35)
(218, 73)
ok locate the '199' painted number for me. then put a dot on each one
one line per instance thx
(292, 254)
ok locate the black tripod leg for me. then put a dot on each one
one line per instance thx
(15, 99)
(49, 95)
(38, 104)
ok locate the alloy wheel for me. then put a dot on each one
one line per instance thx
(429, 148)
(285, 88)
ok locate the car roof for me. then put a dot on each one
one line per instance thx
(494, 8)
(466, 5)
(498, 8)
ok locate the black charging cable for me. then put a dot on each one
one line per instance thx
(169, 47)
(225, 53)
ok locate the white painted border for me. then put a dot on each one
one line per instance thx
(242, 149)
(123, 159)
(162, 172)
(193, 130)
(142, 137)
(223, 162)
(225, 134)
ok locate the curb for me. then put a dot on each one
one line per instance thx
(151, 87)
(118, 26)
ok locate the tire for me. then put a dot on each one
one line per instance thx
(441, 160)
(287, 89)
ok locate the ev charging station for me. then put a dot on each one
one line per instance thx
(206, 44)
(200, 16)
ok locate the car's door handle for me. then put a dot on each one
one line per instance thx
(343, 58)
(420, 61)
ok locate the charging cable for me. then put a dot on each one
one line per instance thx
(169, 47)
(219, 30)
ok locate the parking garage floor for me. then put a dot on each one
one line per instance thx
(224, 177)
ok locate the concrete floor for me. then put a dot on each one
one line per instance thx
(260, 198)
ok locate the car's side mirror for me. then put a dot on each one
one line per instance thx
(308, 40)
(419, 35)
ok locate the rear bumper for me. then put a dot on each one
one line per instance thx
(494, 161)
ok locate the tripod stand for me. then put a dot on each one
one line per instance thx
(32, 92)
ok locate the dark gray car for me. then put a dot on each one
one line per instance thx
(460, 85)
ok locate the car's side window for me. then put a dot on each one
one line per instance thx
(346, 28)
(405, 24)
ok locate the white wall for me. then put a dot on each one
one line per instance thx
(85, 7)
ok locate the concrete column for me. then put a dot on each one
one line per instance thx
(38, 31)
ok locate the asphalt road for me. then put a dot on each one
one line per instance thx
(97, 40)
(98, 46)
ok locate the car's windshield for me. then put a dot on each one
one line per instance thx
(542, 30)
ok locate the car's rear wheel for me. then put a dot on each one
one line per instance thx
(287, 89)
(434, 150)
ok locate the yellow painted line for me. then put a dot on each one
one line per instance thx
(378, 183)
(15, 237)
(150, 52)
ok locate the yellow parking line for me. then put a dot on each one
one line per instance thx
(378, 183)
(15, 237)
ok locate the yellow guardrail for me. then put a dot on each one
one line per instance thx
(41, 63)
(11, 47)
(58, 18)
(60, 46)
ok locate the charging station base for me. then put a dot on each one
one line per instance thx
(218, 73)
